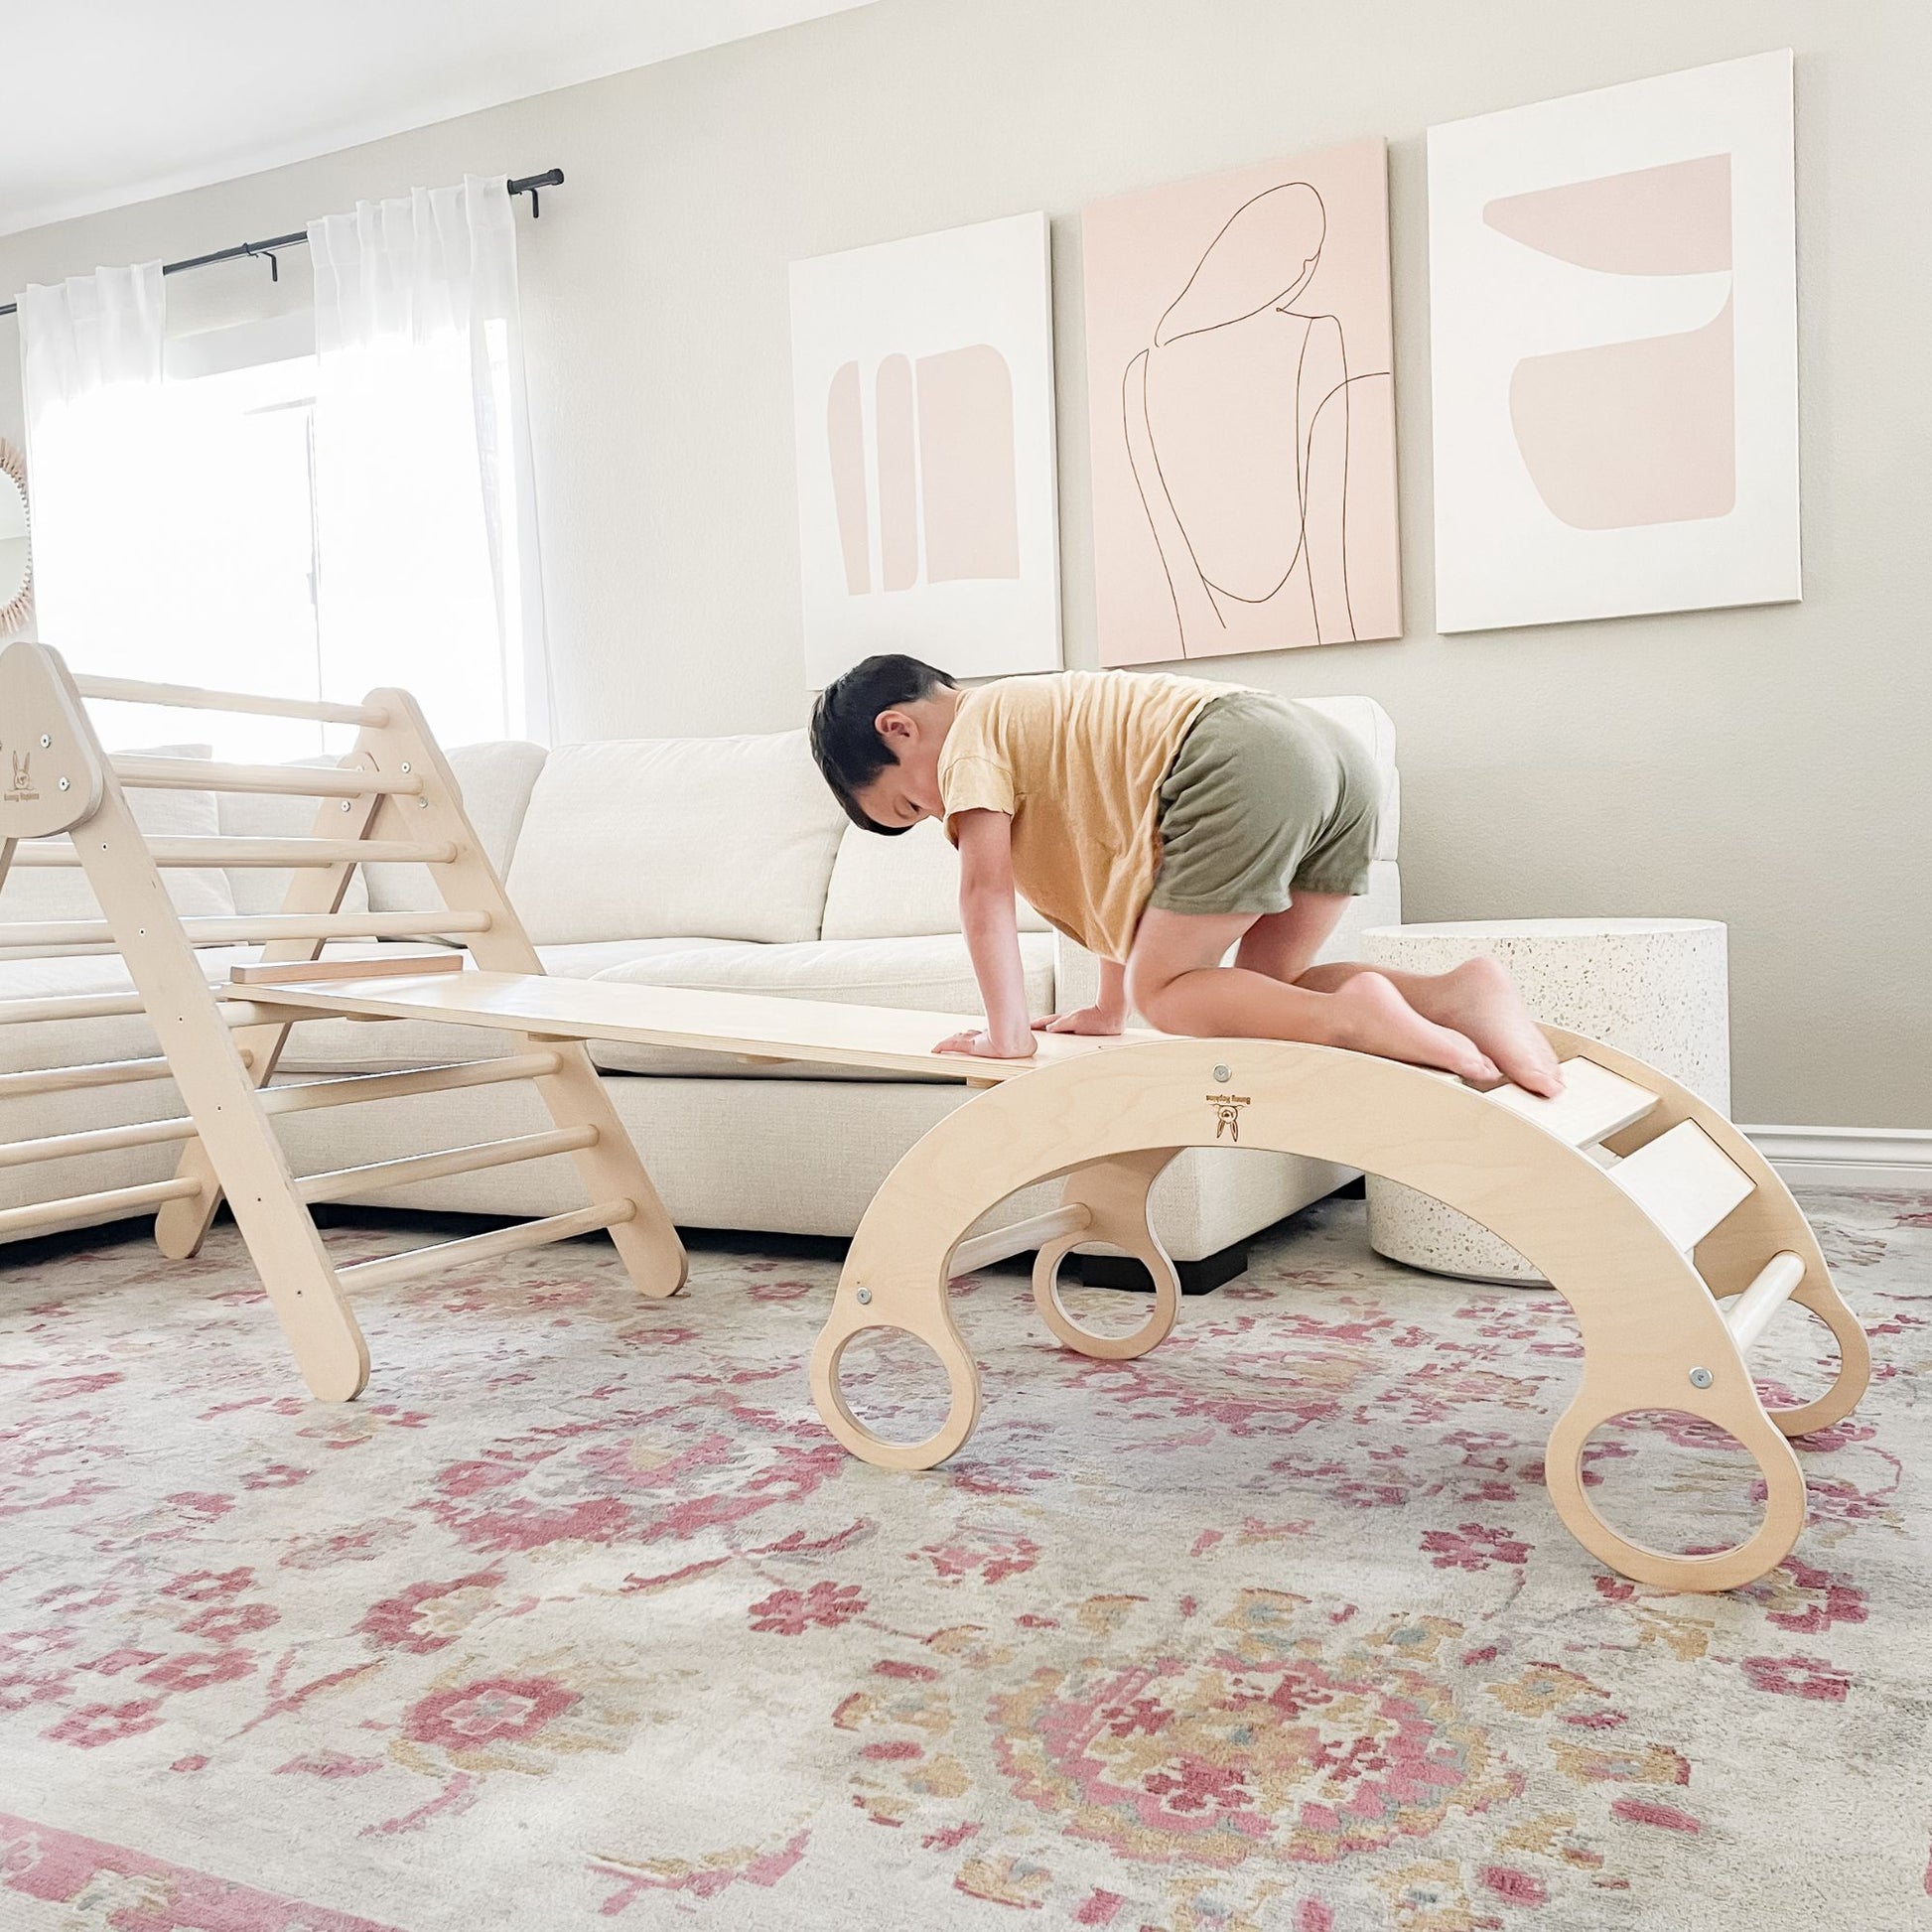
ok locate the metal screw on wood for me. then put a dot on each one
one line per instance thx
(46, 742)
(63, 784)
(865, 1297)
(1222, 1073)
(1701, 1378)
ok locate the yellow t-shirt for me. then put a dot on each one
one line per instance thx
(1076, 758)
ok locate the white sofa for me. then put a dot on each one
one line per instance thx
(673, 862)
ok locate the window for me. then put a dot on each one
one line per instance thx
(239, 555)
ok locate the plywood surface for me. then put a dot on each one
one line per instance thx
(891, 1038)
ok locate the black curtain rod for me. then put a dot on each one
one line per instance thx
(529, 184)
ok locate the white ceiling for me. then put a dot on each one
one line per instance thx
(110, 101)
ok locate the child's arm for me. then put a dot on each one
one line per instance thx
(1107, 1014)
(992, 926)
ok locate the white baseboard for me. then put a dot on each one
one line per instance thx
(1847, 1156)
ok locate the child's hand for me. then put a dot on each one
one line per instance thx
(1084, 1020)
(982, 1046)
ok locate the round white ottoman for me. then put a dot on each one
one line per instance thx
(1653, 988)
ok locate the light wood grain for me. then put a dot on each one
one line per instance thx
(354, 1089)
(278, 855)
(1594, 1103)
(191, 697)
(205, 1062)
(890, 1038)
(1683, 1182)
(110, 1203)
(28, 938)
(138, 771)
(95, 1140)
(85, 1005)
(1647, 1320)
(1750, 1314)
(310, 972)
(375, 1177)
(477, 1249)
(1729, 1256)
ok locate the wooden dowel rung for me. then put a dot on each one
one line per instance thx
(281, 854)
(382, 1175)
(985, 1249)
(103, 1006)
(414, 1263)
(45, 1214)
(357, 1087)
(124, 690)
(98, 1139)
(26, 938)
(96, 1073)
(289, 780)
(1750, 1314)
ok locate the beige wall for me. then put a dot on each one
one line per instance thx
(1767, 768)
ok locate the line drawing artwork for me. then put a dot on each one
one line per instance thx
(1247, 485)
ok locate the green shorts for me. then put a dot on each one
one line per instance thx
(1265, 798)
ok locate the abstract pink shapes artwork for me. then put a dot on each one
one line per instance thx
(899, 521)
(971, 517)
(1242, 410)
(1615, 344)
(922, 374)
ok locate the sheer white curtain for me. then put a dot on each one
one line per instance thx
(106, 556)
(426, 565)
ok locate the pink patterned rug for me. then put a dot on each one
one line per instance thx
(580, 1617)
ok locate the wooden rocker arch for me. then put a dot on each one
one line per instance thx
(1622, 1242)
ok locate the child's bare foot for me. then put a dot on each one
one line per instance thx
(1478, 998)
(1378, 1020)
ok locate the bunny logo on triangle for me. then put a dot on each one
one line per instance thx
(20, 789)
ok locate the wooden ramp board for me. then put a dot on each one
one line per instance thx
(1594, 1102)
(1683, 1182)
(764, 1025)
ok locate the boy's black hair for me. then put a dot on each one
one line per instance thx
(845, 738)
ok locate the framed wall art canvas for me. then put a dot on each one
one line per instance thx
(1242, 410)
(922, 380)
(1615, 350)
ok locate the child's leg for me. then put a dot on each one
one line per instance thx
(1478, 998)
(1175, 979)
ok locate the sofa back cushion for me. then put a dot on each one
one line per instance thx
(720, 838)
(62, 893)
(900, 888)
(496, 779)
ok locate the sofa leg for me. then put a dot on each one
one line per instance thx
(1201, 1277)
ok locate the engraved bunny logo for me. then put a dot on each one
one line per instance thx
(1227, 1113)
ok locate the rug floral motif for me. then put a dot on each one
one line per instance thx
(577, 1615)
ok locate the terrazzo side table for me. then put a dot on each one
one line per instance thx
(1654, 988)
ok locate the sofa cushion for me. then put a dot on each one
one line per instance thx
(63, 891)
(932, 974)
(899, 888)
(650, 838)
(496, 780)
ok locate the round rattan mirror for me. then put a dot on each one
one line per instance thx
(16, 551)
